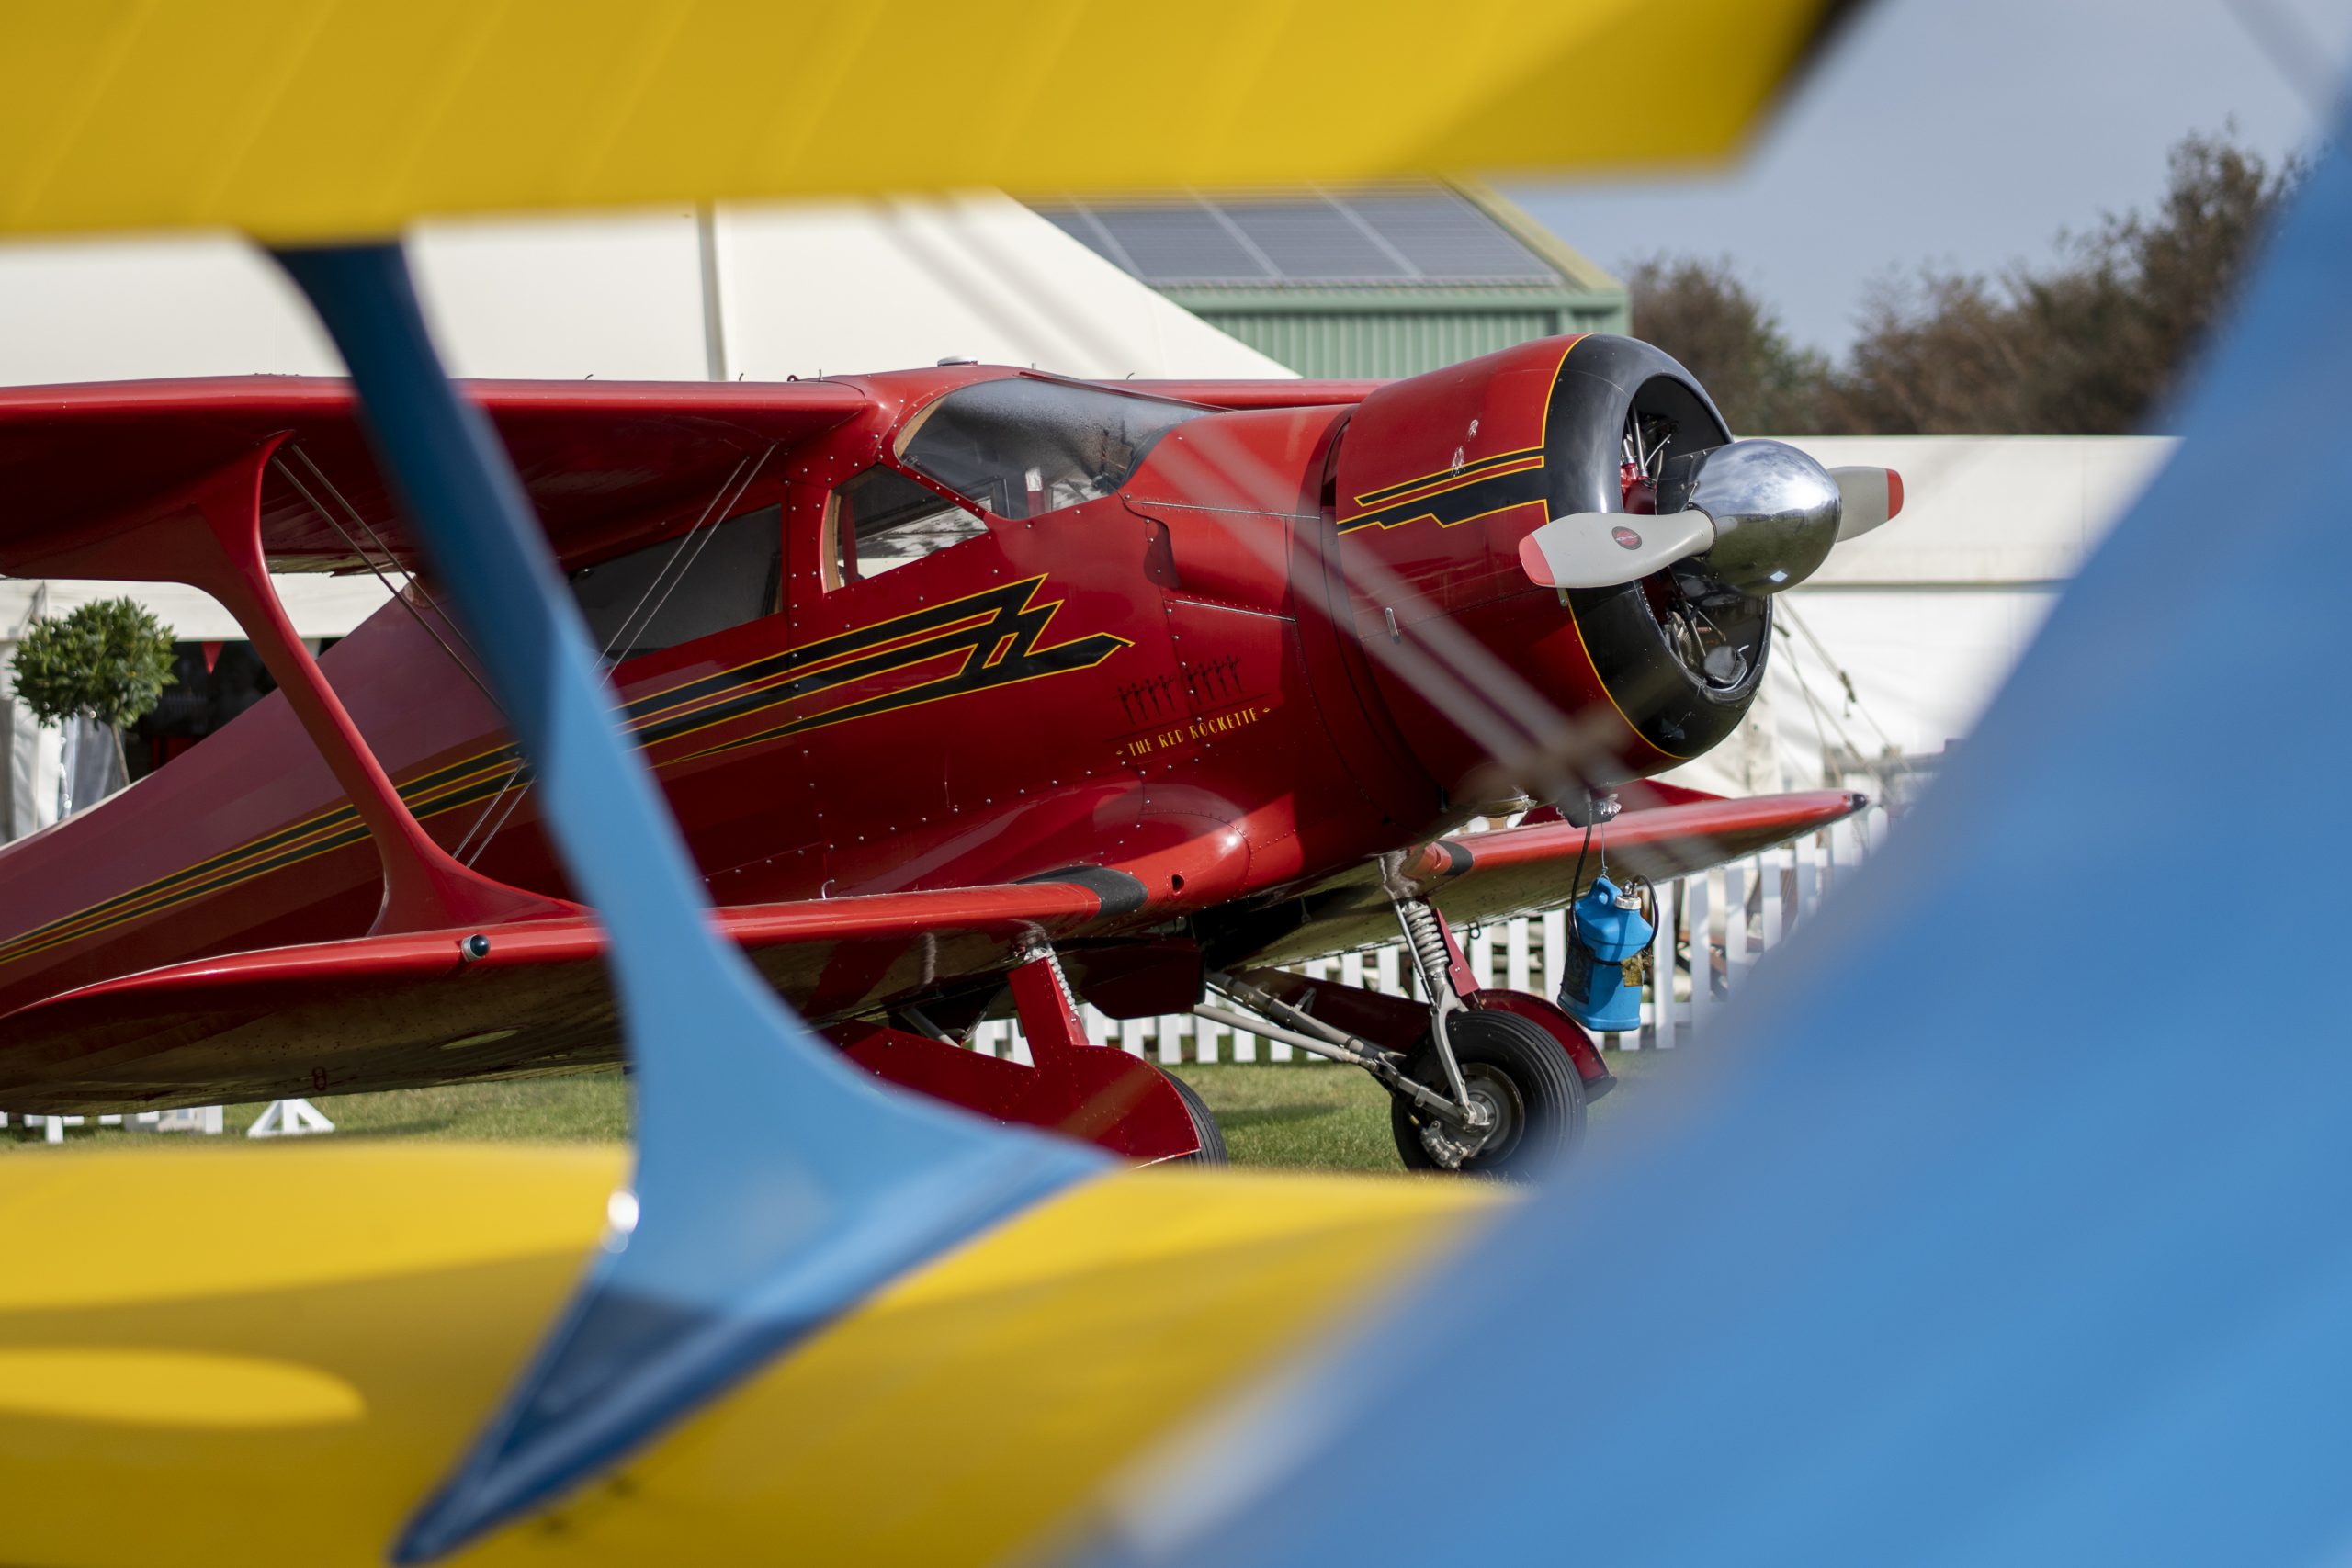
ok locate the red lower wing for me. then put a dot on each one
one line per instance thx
(1523, 869)
(385, 1012)
(396, 1011)
(1518, 870)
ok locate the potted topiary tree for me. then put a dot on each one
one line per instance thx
(108, 661)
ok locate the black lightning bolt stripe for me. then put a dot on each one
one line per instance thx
(1015, 620)
(967, 627)
(1478, 470)
(1473, 497)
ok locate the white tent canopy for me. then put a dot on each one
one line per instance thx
(1925, 615)
(762, 292)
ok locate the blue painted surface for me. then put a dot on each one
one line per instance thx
(1601, 937)
(775, 1184)
(1926, 1273)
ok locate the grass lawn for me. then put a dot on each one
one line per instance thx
(590, 1106)
(1321, 1116)
(1314, 1116)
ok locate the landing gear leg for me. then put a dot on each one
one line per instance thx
(1522, 1105)
(1520, 1099)
(1304, 1031)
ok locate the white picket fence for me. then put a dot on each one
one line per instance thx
(1745, 910)
(279, 1119)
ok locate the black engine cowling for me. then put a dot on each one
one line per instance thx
(1682, 653)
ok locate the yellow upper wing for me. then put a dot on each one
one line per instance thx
(315, 119)
(264, 1355)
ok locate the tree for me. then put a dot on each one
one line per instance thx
(110, 660)
(2094, 342)
(2186, 265)
(1699, 312)
(1940, 354)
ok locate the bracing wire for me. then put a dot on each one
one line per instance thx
(399, 592)
(674, 570)
(359, 520)
(684, 555)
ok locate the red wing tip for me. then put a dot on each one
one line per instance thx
(1893, 493)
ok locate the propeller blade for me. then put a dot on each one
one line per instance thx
(1600, 549)
(1866, 498)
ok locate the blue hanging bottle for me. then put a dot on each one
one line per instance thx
(1606, 928)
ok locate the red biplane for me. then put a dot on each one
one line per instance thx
(972, 690)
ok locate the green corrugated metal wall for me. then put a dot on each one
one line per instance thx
(1323, 342)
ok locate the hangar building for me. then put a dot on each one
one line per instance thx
(1391, 281)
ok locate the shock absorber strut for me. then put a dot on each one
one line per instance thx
(1425, 938)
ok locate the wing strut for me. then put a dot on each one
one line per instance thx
(207, 534)
(776, 1185)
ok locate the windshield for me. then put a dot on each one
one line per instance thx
(1018, 447)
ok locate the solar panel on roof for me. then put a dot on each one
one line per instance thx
(1316, 241)
(1180, 244)
(1447, 238)
(1392, 236)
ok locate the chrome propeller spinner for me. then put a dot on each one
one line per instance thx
(1763, 514)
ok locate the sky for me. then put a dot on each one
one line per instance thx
(1967, 134)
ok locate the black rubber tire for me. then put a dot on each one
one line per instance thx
(1519, 1059)
(1205, 1127)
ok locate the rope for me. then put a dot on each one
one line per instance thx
(1576, 883)
(1824, 722)
(1844, 680)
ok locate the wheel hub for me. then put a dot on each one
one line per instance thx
(1494, 1120)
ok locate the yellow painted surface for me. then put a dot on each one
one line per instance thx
(296, 119)
(268, 1356)
(169, 1388)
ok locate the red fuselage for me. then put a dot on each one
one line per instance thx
(1069, 682)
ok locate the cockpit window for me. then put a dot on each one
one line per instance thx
(881, 519)
(1019, 447)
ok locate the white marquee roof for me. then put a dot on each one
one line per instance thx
(843, 286)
